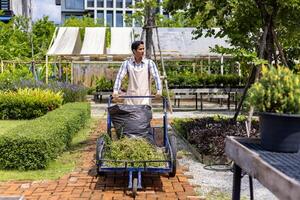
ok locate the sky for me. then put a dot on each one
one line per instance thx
(48, 8)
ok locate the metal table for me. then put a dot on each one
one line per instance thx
(279, 172)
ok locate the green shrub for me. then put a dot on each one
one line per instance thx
(28, 103)
(278, 91)
(199, 80)
(103, 84)
(33, 144)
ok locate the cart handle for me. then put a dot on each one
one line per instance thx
(137, 97)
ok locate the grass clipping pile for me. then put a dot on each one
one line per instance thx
(132, 149)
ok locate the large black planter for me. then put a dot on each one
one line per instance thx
(280, 132)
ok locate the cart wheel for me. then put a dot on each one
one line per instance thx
(98, 144)
(134, 187)
(173, 143)
(97, 149)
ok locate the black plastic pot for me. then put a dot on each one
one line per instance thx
(280, 132)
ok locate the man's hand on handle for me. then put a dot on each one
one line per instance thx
(115, 96)
(158, 94)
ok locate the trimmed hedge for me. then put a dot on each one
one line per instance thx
(28, 103)
(33, 144)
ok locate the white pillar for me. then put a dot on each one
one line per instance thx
(222, 64)
(239, 69)
(72, 73)
(209, 72)
(2, 66)
(46, 69)
(95, 11)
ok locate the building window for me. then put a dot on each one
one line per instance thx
(74, 4)
(128, 19)
(119, 3)
(109, 18)
(4, 5)
(90, 3)
(109, 3)
(100, 3)
(119, 19)
(100, 17)
(128, 3)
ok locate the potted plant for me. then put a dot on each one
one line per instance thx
(277, 97)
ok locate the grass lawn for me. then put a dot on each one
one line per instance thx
(57, 168)
(8, 124)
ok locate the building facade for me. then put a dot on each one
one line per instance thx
(14, 7)
(107, 12)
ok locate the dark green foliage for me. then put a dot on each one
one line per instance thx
(33, 144)
(28, 103)
(185, 80)
(208, 134)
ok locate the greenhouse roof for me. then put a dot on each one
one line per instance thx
(180, 42)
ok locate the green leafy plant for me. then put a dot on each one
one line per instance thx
(103, 84)
(278, 91)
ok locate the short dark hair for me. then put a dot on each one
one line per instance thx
(136, 44)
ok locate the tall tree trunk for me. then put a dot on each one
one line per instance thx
(149, 25)
(254, 73)
(281, 53)
(266, 52)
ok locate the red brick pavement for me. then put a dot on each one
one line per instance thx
(82, 184)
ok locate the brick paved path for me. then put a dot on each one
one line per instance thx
(82, 184)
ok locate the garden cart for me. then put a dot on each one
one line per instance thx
(168, 145)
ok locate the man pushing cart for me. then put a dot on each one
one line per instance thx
(133, 119)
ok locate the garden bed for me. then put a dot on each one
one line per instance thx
(207, 135)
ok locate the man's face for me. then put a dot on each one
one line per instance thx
(139, 52)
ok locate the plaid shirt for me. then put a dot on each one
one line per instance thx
(144, 63)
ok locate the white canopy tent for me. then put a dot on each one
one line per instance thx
(121, 39)
(175, 43)
(67, 42)
(94, 40)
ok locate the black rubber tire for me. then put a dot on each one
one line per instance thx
(97, 149)
(134, 187)
(173, 143)
(97, 156)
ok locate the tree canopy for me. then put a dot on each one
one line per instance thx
(15, 38)
(271, 28)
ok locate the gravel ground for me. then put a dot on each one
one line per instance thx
(209, 180)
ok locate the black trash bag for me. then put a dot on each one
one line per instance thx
(132, 120)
